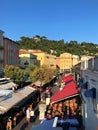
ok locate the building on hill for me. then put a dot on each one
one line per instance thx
(36, 39)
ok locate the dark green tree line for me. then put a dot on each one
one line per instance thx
(59, 47)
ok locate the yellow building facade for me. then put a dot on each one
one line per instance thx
(26, 59)
(66, 61)
(50, 61)
(39, 55)
(45, 59)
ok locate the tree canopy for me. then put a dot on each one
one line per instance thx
(33, 73)
(14, 73)
(42, 73)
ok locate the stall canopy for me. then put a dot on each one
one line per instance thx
(15, 98)
(67, 78)
(4, 94)
(70, 90)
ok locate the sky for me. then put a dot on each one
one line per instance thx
(56, 19)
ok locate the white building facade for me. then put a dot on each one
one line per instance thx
(1, 50)
(89, 93)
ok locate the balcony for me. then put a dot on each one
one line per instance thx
(1, 47)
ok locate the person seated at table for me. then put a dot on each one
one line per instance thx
(53, 114)
(64, 109)
(48, 116)
(79, 118)
(62, 115)
(57, 113)
(66, 126)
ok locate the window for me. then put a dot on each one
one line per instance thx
(47, 57)
(94, 103)
(51, 65)
(93, 82)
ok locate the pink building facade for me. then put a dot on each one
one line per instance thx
(11, 52)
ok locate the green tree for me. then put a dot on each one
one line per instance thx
(43, 74)
(29, 70)
(14, 73)
(9, 71)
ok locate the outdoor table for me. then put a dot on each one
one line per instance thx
(42, 127)
(46, 125)
(73, 121)
(71, 124)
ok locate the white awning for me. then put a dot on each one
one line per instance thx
(7, 85)
(16, 97)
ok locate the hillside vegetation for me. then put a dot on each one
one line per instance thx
(58, 47)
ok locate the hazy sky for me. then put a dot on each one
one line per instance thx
(55, 19)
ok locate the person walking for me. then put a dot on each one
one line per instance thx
(28, 115)
(32, 115)
(9, 124)
(14, 120)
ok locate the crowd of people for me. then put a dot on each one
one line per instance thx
(12, 117)
(66, 108)
(29, 114)
(70, 108)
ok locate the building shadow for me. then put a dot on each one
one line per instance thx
(24, 126)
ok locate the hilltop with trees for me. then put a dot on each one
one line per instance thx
(58, 47)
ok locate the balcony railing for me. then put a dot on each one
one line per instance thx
(1, 46)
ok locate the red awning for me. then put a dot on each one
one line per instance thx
(67, 78)
(70, 90)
